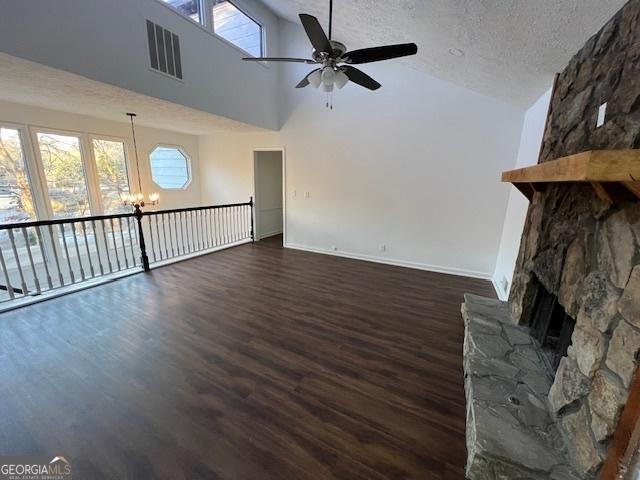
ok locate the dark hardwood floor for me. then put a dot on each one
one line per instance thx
(251, 363)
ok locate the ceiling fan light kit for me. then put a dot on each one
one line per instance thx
(315, 78)
(336, 60)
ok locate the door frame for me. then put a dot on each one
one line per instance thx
(254, 155)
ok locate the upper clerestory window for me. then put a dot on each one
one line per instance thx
(226, 20)
(188, 8)
(232, 24)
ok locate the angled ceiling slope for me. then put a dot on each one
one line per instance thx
(512, 48)
(37, 85)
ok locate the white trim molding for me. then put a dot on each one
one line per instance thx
(395, 262)
(269, 234)
(500, 292)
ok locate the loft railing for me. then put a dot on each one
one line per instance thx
(51, 256)
(172, 234)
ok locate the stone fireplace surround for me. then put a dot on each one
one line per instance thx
(522, 422)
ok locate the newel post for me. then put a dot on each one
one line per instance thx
(138, 213)
(253, 235)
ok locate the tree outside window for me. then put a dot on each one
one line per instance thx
(111, 162)
(16, 202)
(64, 172)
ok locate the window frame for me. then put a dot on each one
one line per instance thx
(203, 16)
(86, 157)
(31, 167)
(186, 155)
(207, 24)
(127, 162)
(251, 17)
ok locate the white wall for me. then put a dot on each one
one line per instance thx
(268, 189)
(530, 141)
(227, 165)
(147, 139)
(107, 41)
(414, 166)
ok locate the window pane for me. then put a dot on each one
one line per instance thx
(64, 172)
(188, 8)
(234, 26)
(16, 203)
(111, 162)
(169, 168)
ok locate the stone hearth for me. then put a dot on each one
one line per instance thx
(511, 434)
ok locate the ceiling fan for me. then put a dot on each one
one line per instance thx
(335, 60)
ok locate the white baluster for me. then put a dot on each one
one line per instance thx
(66, 252)
(36, 282)
(124, 247)
(44, 257)
(7, 280)
(54, 248)
(75, 242)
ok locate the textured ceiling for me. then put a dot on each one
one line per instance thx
(512, 47)
(22, 81)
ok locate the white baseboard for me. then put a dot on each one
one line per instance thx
(390, 261)
(500, 292)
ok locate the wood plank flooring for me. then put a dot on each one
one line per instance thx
(256, 363)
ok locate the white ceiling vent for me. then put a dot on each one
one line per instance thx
(164, 50)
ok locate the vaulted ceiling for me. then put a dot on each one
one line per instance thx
(35, 84)
(512, 48)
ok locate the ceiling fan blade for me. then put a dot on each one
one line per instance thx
(305, 81)
(376, 54)
(315, 33)
(361, 78)
(280, 59)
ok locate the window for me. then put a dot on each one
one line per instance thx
(233, 25)
(169, 167)
(64, 173)
(111, 166)
(188, 8)
(16, 202)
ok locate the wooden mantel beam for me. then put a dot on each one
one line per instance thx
(596, 167)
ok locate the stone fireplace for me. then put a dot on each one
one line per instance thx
(548, 373)
(551, 327)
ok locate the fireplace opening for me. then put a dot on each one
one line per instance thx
(551, 327)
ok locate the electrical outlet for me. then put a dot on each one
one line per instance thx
(602, 115)
(382, 247)
(307, 194)
(294, 193)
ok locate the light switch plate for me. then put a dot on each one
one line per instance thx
(602, 114)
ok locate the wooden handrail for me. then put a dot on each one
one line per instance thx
(194, 209)
(59, 221)
(44, 255)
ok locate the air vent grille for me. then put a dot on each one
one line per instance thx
(164, 50)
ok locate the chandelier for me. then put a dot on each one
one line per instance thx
(138, 200)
